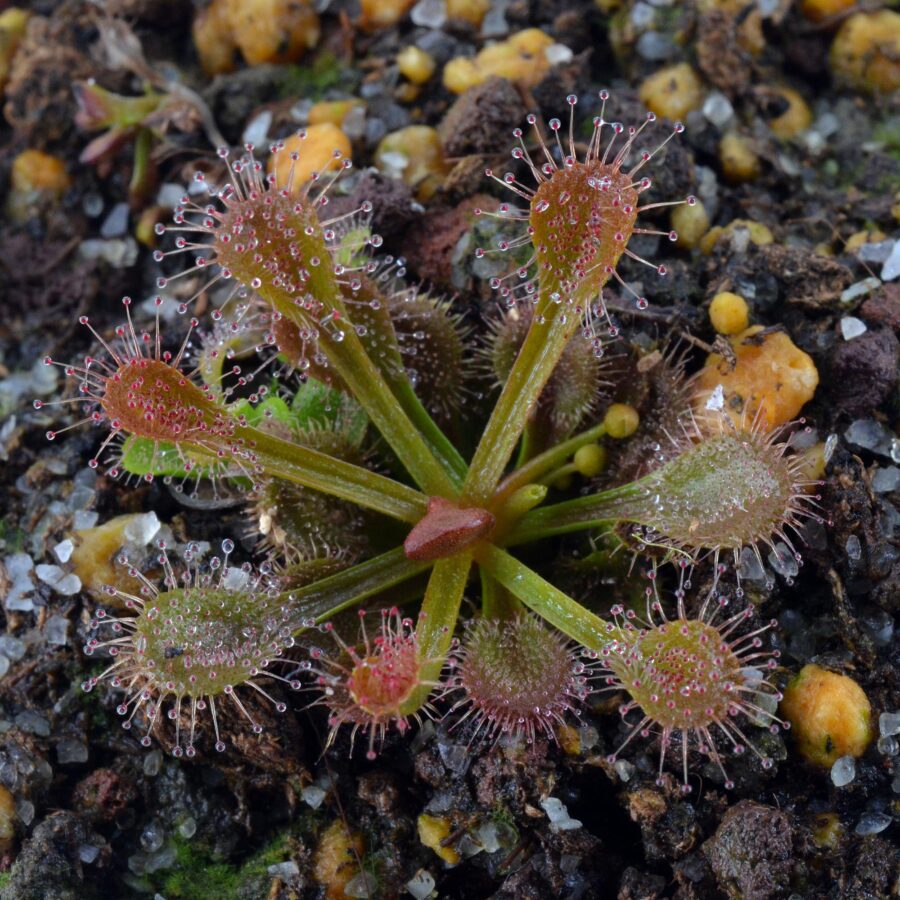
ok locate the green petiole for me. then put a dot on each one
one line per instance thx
(367, 384)
(323, 599)
(546, 340)
(310, 468)
(627, 503)
(559, 609)
(440, 612)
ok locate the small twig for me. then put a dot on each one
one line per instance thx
(124, 50)
(516, 851)
(55, 260)
(206, 117)
(852, 635)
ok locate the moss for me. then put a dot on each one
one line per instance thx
(876, 172)
(12, 537)
(91, 702)
(198, 875)
(501, 815)
(313, 81)
(888, 134)
(5, 878)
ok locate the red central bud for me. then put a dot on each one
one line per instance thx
(582, 219)
(446, 529)
(153, 400)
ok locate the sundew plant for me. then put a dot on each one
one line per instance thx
(324, 389)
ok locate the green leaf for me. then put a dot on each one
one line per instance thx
(317, 404)
(141, 456)
(272, 409)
